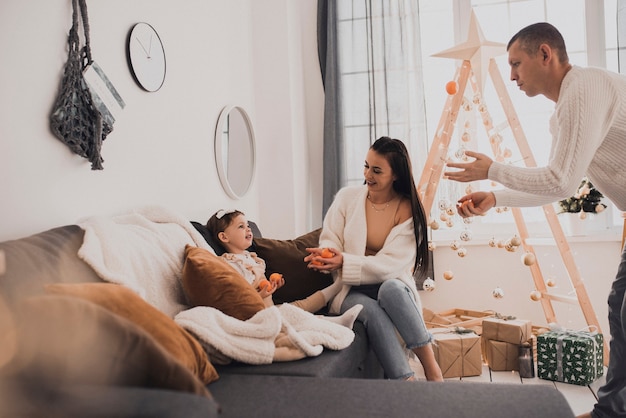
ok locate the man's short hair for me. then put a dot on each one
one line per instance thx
(532, 36)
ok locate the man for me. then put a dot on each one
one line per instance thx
(589, 138)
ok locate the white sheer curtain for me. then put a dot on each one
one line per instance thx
(371, 61)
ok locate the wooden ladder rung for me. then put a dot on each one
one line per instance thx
(567, 299)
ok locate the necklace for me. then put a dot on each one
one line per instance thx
(386, 204)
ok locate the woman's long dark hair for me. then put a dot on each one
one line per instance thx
(397, 155)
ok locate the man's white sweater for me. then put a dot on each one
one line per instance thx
(588, 130)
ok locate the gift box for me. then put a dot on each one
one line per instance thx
(570, 356)
(501, 356)
(457, 352)
(514, 331)
(463, 318)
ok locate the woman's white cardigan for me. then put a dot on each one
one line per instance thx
(345, 229)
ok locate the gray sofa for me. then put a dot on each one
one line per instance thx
(341, 383)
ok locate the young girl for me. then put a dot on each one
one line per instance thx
(231, 229)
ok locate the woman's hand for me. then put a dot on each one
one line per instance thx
(475, 170)
(325, 260)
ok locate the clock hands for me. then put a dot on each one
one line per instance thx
(147, 51)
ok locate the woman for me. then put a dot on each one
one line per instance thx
(377, 233)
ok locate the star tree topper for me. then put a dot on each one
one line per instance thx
(477, 50)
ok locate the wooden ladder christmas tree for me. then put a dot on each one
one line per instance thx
(438, 155)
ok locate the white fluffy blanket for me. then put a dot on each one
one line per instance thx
(143, 250)
(277, 333)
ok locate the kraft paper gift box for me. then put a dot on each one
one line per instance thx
(501, 356)
(457, 353)
(514, 331)
(465, 318)
(570, 356)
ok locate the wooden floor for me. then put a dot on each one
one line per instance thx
(581, 398)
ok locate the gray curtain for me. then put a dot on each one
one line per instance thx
(621, 35)
(334, 173)
(370, 58)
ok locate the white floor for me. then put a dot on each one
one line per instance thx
(580, 398)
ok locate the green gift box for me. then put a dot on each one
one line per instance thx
(570, 356)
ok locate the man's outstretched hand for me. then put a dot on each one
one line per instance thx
(472, 171)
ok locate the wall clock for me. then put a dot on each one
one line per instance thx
(146, 56)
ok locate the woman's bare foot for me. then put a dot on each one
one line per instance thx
(426, 356)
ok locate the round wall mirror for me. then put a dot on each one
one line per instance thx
(235, 151)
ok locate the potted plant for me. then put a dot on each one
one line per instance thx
(586, 200)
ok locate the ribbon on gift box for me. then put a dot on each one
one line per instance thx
(587, 332)
(466, 366)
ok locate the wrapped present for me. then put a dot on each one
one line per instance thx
(570, 356)
(501, 356)
(464, 318)
(457, 352)
(514, 331)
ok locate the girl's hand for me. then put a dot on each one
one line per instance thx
(277, 280)
(265, 287)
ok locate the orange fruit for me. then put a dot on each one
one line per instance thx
(264, 283)
(275, 277)
(326, 253)
(451, 87)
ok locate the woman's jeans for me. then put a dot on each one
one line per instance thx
(612, 396)
(394, 312)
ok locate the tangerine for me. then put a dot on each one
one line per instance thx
(275, 277)
(451, 87)
(264, 283)
(326, 253)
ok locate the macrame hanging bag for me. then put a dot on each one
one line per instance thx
(74, 119)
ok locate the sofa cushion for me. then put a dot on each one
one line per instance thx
(208, 280)
(66, 340)
(287, 258)
(43, 258)
(303, 397)
(126, 303)
(94, 401)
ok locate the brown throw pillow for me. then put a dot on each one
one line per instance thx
(286, 257)
(68, 340)
(208, 280)
(124, 302)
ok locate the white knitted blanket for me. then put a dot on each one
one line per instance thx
(143, 250)
(277, 333)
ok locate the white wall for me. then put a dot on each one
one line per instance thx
(161, 149)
